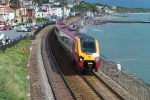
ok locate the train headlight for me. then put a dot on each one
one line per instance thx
(97, 59)
(81, 58)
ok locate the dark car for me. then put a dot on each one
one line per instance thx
(36, 27)
(29, 29)
(17, 38)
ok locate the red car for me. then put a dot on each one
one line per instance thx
(5, 27)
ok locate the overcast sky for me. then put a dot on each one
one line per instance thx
(124, 3)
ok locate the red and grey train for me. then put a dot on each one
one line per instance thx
(81, 48)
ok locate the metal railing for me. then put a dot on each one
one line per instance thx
(135, 86)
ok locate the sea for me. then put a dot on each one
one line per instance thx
(127, 43)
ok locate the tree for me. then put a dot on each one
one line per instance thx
(12, 1)
(61, 4)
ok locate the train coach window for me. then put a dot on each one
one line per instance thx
(57, 31)
(88, 46)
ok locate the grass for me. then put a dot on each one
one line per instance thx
(13, 71)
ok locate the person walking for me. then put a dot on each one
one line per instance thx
(118, 68)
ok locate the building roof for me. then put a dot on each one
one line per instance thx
(8, 9)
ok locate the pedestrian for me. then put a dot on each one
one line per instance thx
(7, 40)
(118, 68)
(3, 41)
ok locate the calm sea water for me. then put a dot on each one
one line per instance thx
(127, 43)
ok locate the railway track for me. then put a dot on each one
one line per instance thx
(84, 86)
(67, 84)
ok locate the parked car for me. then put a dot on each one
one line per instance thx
(5, 27)
(29, 29)
(16, 38)
(36, 27)
(22, 29)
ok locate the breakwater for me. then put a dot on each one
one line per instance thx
(98, 22)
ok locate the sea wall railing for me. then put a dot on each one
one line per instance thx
(135, 86)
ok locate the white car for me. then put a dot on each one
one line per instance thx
(22, 29)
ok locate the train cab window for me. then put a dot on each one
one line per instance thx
(88, 45)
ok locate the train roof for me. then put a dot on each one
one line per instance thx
(69, 31)
(72, 32)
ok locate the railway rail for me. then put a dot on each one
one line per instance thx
(67, 84)
(84, 86)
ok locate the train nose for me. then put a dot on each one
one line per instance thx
(89, 66)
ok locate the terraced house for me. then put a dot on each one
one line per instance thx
(6, 13)
(20, 12)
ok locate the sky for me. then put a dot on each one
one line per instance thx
(123, 3)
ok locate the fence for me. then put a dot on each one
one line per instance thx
(129, 82)
(32, 37)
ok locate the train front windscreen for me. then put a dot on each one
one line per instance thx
(88, 45)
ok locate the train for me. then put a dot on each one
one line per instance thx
(82, 49)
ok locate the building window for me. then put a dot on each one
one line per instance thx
(21, 19)
(3, 1)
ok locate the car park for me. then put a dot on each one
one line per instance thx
(22, 29)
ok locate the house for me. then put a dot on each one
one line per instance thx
(41, 12)
(30, 13)
(9, 16)
(66, 12)
(60, 12)
(2, 12)
(70, 3)
(76, 2)
(46, 10)
(6, 13)
(20, 12)
(57, 11)
(4, 2)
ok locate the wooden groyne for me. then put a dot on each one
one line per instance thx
(98, 22)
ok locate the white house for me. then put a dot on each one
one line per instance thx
(2, 12)
(56, 11)
(89, 14)
(70, 3)
(51, 1)
(56, 3)
(99, 8)
(66, 11)
(10, 15)
(41, 14)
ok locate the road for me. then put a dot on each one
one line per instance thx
(13, 33)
